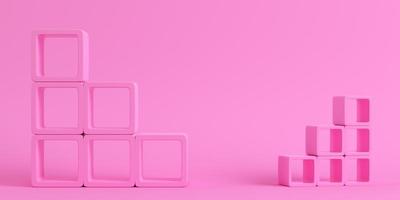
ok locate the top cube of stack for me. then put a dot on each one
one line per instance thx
(351, 111)
(60, 56)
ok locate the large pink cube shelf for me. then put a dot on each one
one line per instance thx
(357, 140)
(324, 140)
(109, 161)
(38, 108)
(329, 171)
(353, 111)
(57, 161)
(81, 68)
(154, 169)
(132, 116)
(356, 170)
(287, 166)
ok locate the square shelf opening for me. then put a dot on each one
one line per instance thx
(162, 160)
(57, 161)
(60, 55)
(167, 154)
(111, 108)
(324, 141)
(357, 141)
(302, 171)
(357, 170)
(350, 110)
(57, 108)
(111, 112)
(330, 171)
(60, 107)
(330, 140)
(357, 110)
(110, 161)
(60, 160)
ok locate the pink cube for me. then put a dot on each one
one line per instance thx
(60, 55)
(357, 140)
(111, 108)
(296, 170)
(351, 111)
(162, 160)
(57, 161)
(330, 171)
(356, 170)
(324, 140)
(109, 161)
(58, 109)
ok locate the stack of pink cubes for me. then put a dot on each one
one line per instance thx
(336, 155)
(85, 152)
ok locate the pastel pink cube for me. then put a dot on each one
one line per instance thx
(295, 171)
(329, 171)
(40, 102)
(324, 140)
(357, 140)
(357, 170)
(57, 161)
(351, 111)
(112, 108)
(60, 55)
(109, 161)
(162, 160)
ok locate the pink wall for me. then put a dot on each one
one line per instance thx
(242, 78)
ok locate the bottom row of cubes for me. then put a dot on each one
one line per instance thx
(320, 171)
(142, 160)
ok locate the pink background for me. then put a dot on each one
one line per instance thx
(242, 78)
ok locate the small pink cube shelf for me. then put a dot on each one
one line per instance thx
(181, 178)
(131, 128)
(357, 140)
(109, 161)
(353, 111)
(332, 173)
(57, 161)
(332, 146)
(38, 103)
(357, 170)
(286, 168)
(82, 51)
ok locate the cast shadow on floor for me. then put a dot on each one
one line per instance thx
(257, 178)
(15, 177)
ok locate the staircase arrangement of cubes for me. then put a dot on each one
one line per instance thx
(83, 151)
(336, 154)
